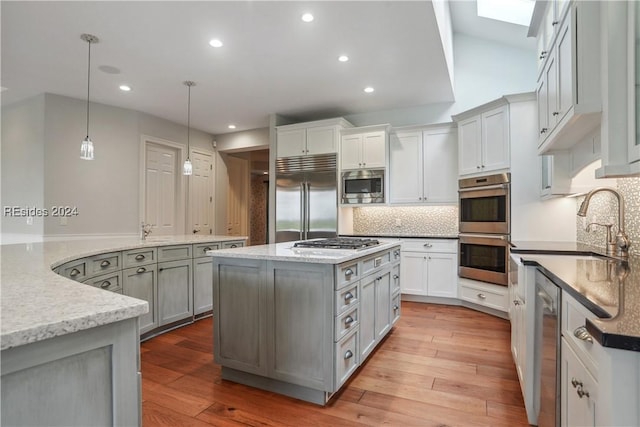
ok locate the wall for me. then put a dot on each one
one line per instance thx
(406, 221)
(106, 189)
(603, 208)
(23, 168)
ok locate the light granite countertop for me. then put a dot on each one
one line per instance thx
(287, 252)
(37, 304)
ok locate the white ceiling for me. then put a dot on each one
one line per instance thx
(271, 61)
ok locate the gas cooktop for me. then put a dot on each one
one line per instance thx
(338, 243)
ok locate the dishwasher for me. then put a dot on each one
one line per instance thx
(547, 345)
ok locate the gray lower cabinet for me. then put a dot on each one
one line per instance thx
(86, 378)
(367, 316)
(175, 300)
(202, 285)
(383, 304)
(141, 282)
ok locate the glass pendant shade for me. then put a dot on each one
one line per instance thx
(86, 149)
(187, 168)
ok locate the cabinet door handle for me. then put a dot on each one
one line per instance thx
(141, 270)
(543, 130)
(581, 392)
(105, 263)
(139, 257)
(516, 302)
(575, 383)
(348, 296)
(582, 334)
(105, 284)
(543, 54)
(478, 167)
(482, 296)
(396, 254)
(395, 308)
(74, 272)
(556, 113)
(554, 23)
(348, 355)
(348, 320)
(396, 277)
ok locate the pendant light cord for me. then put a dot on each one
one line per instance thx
(88, 85)
(188, 122)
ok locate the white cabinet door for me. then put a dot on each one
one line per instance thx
(414, 273)
(291, 143)
(440, 166)
(321, 140)
(564, 89)
(350, 152)
(543, 109)
(374, 150)
(551, 76)
(441, 275)
(469, 150)
(495, 139)
(405, 168)
(579, 391)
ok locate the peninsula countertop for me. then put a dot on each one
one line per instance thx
(38, 304)
(287, 252)
(608, 287)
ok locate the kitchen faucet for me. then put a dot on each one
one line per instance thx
(620, 245)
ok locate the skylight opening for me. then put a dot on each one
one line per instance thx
(512, 11)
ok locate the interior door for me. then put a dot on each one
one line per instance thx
(161, 188)
(237, 196)
(201, 193)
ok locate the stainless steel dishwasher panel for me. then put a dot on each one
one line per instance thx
(547, 345)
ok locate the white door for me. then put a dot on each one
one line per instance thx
(201, 193)
(161, 187)
(237, 196)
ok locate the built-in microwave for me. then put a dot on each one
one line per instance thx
(363, 186)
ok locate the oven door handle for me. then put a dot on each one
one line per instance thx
(484, 187)
(486, 236)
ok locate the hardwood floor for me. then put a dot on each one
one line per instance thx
(440, 366)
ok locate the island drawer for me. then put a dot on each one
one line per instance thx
(347, 297)
(376, 261)
(174, 252)
(136, 257)
(109, 282)
(574, 320)
(234, 244)
(74, 270)
(395, 308)
(346, 323)
(347, 358)
(395, 279)
(200, 250)
(104, 263)
(346, 274)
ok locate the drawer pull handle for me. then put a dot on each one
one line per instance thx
(348, 296)
(575, 383)
(74, 272)
(139, 257)
(395, 308)
(396, 277)
(428, 245)
(482, 296)
(516, 302)
(206, 249)
(348, 355)
(141, 270)
(105, 263)
(233, 246)
(105, 284)
(348, 320)
(396, 253)
(348, 272)
(581, 392)
(582, 334)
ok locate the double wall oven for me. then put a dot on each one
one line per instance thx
(484, 209)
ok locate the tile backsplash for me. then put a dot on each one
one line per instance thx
(406, 221)
(603, 208)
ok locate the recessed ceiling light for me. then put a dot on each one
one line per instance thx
(216, 43)
(307, 17)
(343, 58)
(369, 89)
(125, 88)
(231, 126)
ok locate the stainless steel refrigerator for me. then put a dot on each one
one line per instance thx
(306, 197)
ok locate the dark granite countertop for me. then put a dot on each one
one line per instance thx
(608, 287)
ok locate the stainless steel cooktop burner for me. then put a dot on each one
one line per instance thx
(338, 243)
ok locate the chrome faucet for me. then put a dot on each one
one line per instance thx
(619, 245)
(145, 230)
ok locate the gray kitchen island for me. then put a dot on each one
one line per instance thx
(299, 321)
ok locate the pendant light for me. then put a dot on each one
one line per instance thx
(187, 168)
(86, 149)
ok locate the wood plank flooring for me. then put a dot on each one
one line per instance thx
(440, 366)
